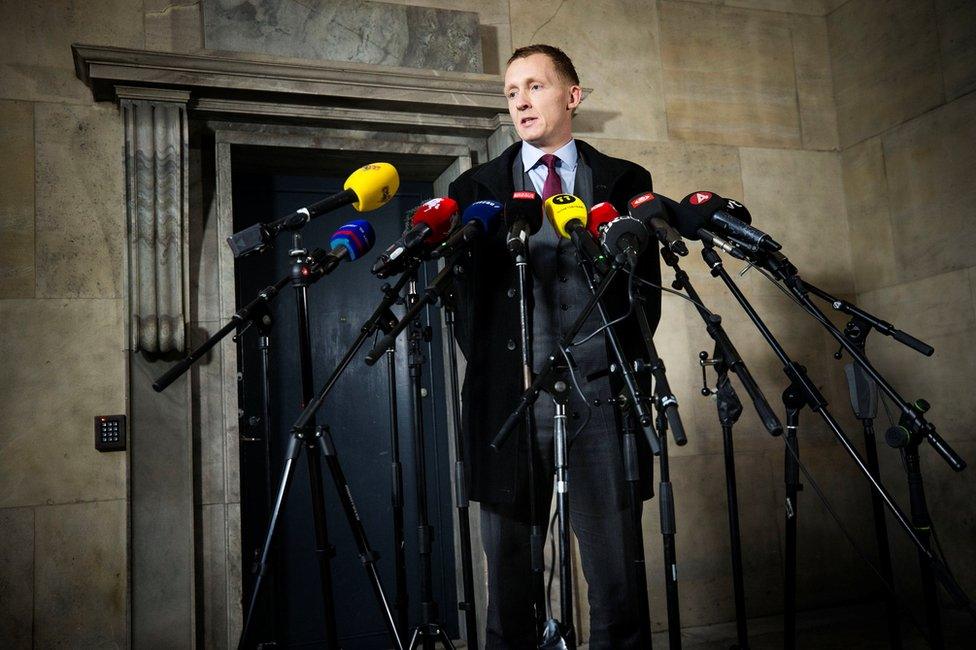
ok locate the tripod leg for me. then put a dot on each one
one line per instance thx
(324, 551)
(261, 567)
(366, 554)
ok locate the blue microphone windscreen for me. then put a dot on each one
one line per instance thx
(486, 212)
(357, 237)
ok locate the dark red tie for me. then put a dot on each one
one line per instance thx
(553, 184)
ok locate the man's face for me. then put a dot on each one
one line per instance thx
(540, 102)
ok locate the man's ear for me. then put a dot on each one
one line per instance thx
(575, 97)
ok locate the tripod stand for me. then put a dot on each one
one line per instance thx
(318, 442)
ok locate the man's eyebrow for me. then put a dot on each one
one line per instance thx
(528, 80)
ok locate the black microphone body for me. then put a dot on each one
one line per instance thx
(587, 245)
(394, 258)
(668, 236)
(458, 239)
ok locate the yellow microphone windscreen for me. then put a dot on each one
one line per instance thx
(374, 185)
(563, 208)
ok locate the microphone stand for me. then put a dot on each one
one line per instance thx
(536, 530)
(812, 397)
(466, 604)
(726, 358)
(864, 402)
(319, 439)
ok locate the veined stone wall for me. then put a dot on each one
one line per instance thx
(845, 127)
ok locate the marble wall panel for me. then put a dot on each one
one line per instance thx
(80, 201)
(729, 75)
(874, 48)
(868, 216)
(347, 30)
(702, 539)
(957, 25)
(234, 584)
(16, 200)
(203, 244)
(930, 165)
(211, 576)
(174, 25)
(798, 197)
(65, 359)
(37, 64)
(493, 23)
(207, 421)
(617, 56)
(814, 83)
(17, 577)
(940, 311)
(81, 575)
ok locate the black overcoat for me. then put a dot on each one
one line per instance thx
(488, 320)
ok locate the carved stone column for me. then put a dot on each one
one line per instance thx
(156, 207)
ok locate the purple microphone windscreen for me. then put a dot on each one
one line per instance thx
(485, 212)
(357, 237)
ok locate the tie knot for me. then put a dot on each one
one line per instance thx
(549, 160)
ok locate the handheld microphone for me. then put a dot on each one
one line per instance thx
(568, 217)
(649, 208)
(717, 213)
(349, 242)
(479, 219)
(600, 215)
(369, 187)
(523, 214)
(430, 223)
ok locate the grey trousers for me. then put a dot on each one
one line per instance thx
(604, 528)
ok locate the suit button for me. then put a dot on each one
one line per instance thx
(511, 344)
(564, 307)
(511, 293)
(563, 278)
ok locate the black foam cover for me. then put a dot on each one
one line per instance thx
(526, 207)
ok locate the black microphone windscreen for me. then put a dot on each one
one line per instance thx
(683, 218)
(738, 210)
(527, 207)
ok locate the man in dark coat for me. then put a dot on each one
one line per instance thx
(543, 92)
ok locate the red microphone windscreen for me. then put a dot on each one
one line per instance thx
(439, 215)
(600, 214)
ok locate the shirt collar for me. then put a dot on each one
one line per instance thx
(567, 154)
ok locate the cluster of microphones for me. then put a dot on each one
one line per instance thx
(439, 229)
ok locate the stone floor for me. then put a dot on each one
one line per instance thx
(848, 628)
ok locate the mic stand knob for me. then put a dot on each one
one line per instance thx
(704, 362)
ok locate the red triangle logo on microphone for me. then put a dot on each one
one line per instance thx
(700, 197)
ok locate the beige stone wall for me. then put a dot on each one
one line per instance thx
(905, 73)
(64, 568)
(845, 127)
